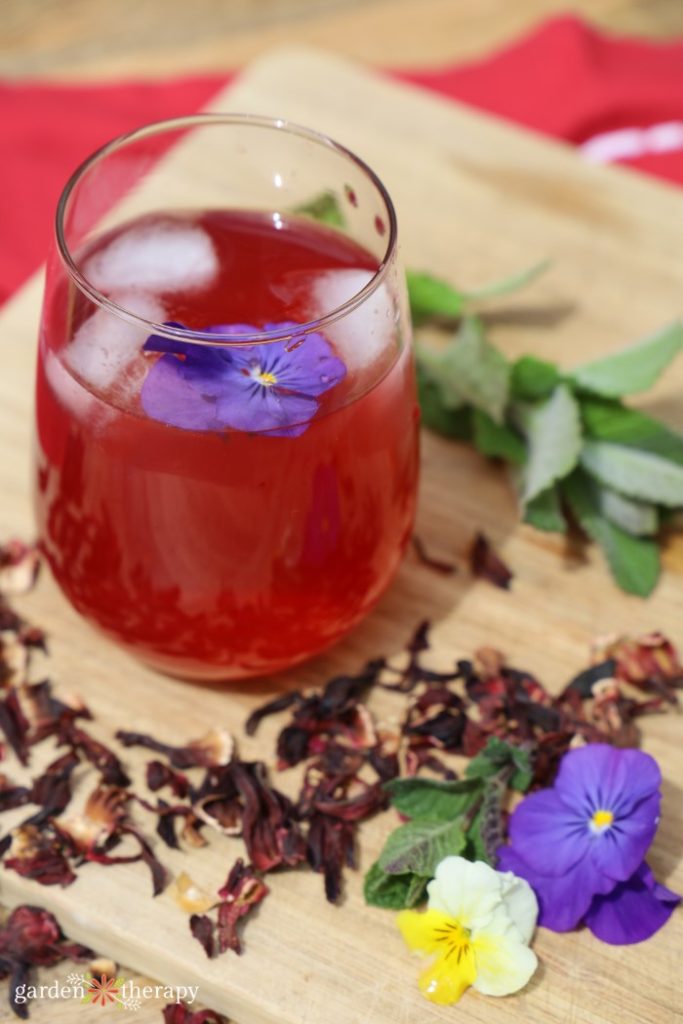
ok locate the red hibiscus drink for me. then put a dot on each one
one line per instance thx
(226, 413)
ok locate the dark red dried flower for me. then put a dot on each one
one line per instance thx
(437, 564)
(178, 1013)
(38, 855)
(243, 891)
(100, 756)
(159, 775)
(487, 565)
(649, 662)
(270, 833)
(215, 749)
(203, 929)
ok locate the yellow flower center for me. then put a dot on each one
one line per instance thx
(601, 820)
(455, 939)
(265, 378)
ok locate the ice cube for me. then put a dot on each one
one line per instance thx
(361, 336)
(105, 344)
(366, 334)
(159, 256)
(74, 396)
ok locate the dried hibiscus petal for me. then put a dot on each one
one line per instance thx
(649, 662)
(104, 759)
(203, 930)
(159, 775)
(487, 565)
(178, 1013)
(437, 564)
(215, 749)
(271, 835)
(242, 891)
(34, 854)
(32, 935)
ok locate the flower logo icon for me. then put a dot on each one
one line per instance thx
(103, 990)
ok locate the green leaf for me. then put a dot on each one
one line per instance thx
(475, 848)
(635, 368)
(634, 473)
(497, 440)
(475, 372)
(418, 846)
(324, 208)
(508, 285)
(553, 431)
(633, 561)
(432, 297)
(453, 423)
(497, 755)
(611, 421)
(393, 892)
(533, 379)
(432, 798)
(636, 517)
(544, 512)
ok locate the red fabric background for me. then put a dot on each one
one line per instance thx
(565, 79)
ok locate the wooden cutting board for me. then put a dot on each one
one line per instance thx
(476, 199)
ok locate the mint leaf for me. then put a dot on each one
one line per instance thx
(432, 798)
(635, 473)
(475, 848)
(454, 423)
(432, 297)
(497, 440)
(324, 208)
(611, 421)
(418, 846)
(507, 285)
(544, 512)
(553, 431)
(475, 371)
(636, 517)
(633, 561)
(393, 892)
(635, 368)
(498, 755)
(533, 379)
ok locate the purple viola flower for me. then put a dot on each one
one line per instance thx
(581, 845)
(272, 387)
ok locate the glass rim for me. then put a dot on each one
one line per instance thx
(204, 337)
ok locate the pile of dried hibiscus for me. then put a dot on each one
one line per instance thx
(348, 758)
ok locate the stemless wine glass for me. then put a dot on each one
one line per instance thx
(226, 413)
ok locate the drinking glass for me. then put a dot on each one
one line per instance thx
(227, 426)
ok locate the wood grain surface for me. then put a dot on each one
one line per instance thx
(77, 38)
(476, 199)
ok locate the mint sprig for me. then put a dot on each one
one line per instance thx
(576, 451)
(459, 818)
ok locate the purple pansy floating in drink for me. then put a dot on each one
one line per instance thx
(273, 387)
(581, 845)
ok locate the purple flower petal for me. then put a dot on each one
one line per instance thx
(305, 364)
(619, 850)
(599, 776)
(169, 397)
(255, 408)
(550, 836)
(562, 900)
(633, 911)
(271, 387)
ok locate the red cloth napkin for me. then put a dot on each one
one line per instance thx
(616, 98)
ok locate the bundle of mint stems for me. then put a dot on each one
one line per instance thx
(578, 455)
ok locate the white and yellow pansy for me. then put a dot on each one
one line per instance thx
(476, 929)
